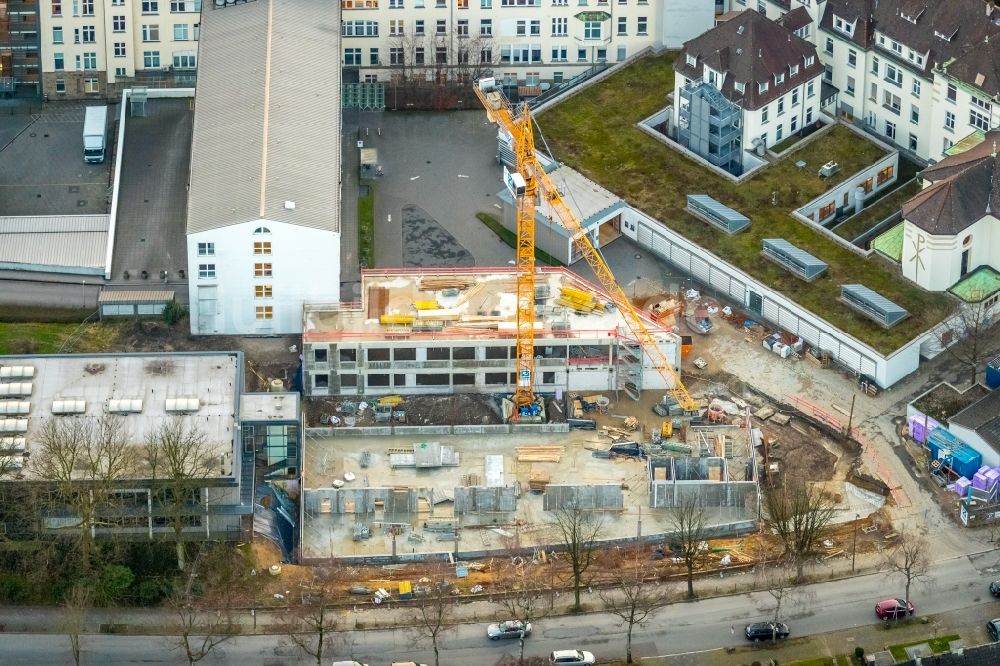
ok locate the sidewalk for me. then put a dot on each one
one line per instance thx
(969, 623)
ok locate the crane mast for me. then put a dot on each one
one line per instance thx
(519, 127)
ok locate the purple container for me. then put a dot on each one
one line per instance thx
(980, 482)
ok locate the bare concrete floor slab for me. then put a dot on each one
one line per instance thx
(326, 534)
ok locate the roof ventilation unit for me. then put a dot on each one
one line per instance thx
(9, 445)
(718, 215)
(14, 407)
(16, 389)
(125, 406)
(873, 305)
(72, 406)
(181, 405)
(17, 372)
(13, 425)
(791, 258)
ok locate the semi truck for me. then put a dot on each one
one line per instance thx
(95, 129)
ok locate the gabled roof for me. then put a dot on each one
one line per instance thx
(750, 49)
(980, 655)
(964, 188)
(267, 116)
(979, 67)
(944, 31)
(796, 18)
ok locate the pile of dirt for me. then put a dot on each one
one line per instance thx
(459, 409)
(944, 401)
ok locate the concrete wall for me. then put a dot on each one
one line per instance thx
(389, 431)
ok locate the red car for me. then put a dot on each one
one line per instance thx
(894, 608)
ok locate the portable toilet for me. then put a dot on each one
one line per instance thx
(405, 589)
(959, 456)
(993, 373)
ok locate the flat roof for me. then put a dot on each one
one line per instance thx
(978, 285)
(279, 406)
(588, 200)
(484, 306)
(213, 379)
(266, 124)
(58, 243)
(890, 243)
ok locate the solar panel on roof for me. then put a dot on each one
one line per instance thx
(717, 214)
(792, 258)
(872, 304)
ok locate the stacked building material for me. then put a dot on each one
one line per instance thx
(537, 480)
(540, 453)
(391, 319)
(441, 283)
(578, 300)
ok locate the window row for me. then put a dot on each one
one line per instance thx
(483, 4)
(208, 272)
(259, 248)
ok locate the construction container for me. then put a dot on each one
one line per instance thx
(405, 589)
(993, 373)
(954, 453)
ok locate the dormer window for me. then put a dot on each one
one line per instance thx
(740, 87)
(795, 70)
(762, 87)
(846, 27)
(810, 60)
(779, 78)
(691, 60)
(946, 37)
(739, 30)
(897, 48)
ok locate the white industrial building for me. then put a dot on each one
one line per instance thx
(440, 331)
(263, 226)
(524, 43)
(98, 49)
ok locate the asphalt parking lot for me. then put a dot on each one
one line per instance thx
(439, 169)
(42, 171)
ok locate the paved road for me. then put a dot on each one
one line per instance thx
(684, 627)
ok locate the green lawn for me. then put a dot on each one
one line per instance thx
(22, 338)
(366, 228)
(939, 644)
(594, 132)
(877, 212)
(509, 237)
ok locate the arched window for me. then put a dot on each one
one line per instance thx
(260, 231)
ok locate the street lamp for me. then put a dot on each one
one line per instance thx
(854, 547)
(253, 610)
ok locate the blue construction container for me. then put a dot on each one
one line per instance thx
(993, 373)
(961, 458)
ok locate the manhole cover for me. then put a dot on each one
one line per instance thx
(74, 188)
(80, 203)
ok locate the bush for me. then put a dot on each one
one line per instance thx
(151, 591)
(114, 582)
(859, 654)
(173, 312)
(13, 588)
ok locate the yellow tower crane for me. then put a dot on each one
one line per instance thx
(524, 186)
(519, 126)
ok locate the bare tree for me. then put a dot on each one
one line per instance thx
(435, 615)
(76, 602)
(312, 626)
(800, 515)
(635, 592)
(197, 633)
(520, 596)
(977, 337)
(83, 459)
(779, 583)
(908, 559)
(179, 458)
(578, 531)
(688, 526)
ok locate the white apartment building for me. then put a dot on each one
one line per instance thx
(521, 42)
(770, 77)
(919, 74)
(97, 48)
(263, 223)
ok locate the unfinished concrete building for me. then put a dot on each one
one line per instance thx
(452, 331)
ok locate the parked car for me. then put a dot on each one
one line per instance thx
(993, 628)
(765, 631)
(508, 629)
(995, 588)
(894, 608)
(348, 663)
(572, 658)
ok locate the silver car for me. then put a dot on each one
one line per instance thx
(508, 629)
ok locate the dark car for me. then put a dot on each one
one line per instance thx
(993, 628)
(995, 588)
(765, 631)
(508, 629)
(894, 608)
